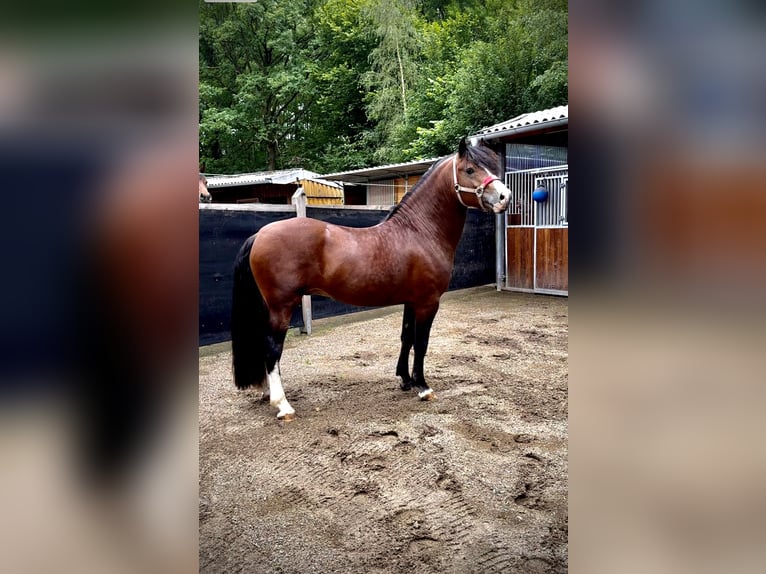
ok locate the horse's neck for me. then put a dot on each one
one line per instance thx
(433, 211)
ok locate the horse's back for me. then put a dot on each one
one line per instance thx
(305, 249)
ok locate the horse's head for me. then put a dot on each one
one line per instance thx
(204, 194)
(474, 179)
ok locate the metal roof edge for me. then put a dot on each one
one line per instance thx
(390, 166)
(519, 130)
(530, 121)
(281, 177)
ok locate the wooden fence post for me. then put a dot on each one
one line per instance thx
(299, 201)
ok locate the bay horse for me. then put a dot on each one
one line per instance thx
(204, 194)
(406, 259)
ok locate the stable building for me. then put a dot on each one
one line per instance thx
(533, 238)
(273, 187)
(384, 185)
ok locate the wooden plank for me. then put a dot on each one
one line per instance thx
(553, 258)
(520, 257)
(318, 193)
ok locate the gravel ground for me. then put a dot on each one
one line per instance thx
(367, 478)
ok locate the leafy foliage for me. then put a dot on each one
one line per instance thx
(330, 85)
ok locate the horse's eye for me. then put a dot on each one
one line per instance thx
(469, 170)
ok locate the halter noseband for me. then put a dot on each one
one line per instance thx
(478, 191)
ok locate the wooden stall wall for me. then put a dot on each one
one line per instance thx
(272, 193)
(553, 258)
(520, 244)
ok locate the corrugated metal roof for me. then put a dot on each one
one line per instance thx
(526, 122)
(326, 182)
(382, 172)
(280, 176)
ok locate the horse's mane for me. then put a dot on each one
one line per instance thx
(481, 155)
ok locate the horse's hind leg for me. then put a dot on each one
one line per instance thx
(276, 392)
(408, 339)
(276, 395)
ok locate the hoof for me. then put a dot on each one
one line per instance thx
(287, 417)
(427, 395)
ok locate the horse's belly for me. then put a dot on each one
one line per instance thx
(366, 298)
(364, 290)
(316, 291)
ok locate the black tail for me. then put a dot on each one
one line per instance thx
(249, 324)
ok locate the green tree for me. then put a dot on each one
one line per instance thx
(254, 80)
(331, 85)
(394, 69)
(516, 63)
(338, 130)
(443, 42)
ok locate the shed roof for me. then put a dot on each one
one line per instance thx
(532, 121)
(281, 176)
(382, 172)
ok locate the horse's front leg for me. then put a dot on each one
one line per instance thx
(423, 320)
(408, 339)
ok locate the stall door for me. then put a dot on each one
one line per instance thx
(537, 233)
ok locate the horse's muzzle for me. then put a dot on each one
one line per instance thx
(500, 207)
(503, 196)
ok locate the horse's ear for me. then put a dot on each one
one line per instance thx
(462, 147)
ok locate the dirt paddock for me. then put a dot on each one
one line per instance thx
(367, 478)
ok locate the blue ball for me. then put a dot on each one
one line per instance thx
(540, 194)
